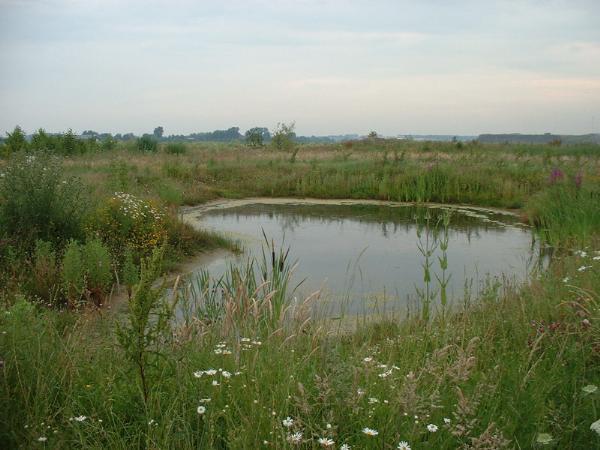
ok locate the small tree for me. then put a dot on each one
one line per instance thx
(372, 135)
(15, 141)
(158, 132)
(70, 143)
(108, 143)
(284, 135)
(255, 137)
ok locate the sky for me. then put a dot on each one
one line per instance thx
(460, 67)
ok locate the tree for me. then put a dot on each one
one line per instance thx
(41, 141)
(284, 135)
(372, 135)
(108, 143)
(255, 137)
(69, 143)
(158, 132)
(16, 141)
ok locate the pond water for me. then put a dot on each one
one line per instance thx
(365, 257)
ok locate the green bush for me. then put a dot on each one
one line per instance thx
(86, 272)
(175, 148)
(98, 271)
(146, 144)
(284, 136)
(15, 142)
(108, 143)
(37, 202)
(73, 274)
(125, 221)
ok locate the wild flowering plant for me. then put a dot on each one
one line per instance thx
(127, 222)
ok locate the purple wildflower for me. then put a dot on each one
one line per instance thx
(556, 175)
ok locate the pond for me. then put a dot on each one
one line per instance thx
(369, 256)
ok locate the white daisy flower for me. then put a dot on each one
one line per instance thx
(403, 445)
(295, 438)
(596, 426)
(201, 409)
(287, 422)
(42, 439)
(370, 431)
(326, 442)
(432, 428)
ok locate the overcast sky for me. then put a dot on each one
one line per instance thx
(426, 66)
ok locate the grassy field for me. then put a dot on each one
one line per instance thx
(517, 368)
(505, 176)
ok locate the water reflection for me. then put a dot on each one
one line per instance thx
(361, 255)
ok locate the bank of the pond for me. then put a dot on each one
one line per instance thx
(187, 212)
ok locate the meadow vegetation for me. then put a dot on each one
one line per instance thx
(234, 363)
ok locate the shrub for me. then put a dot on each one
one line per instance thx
(71, 145)
(98, 271)
(284, 135)
(146, 144)
(15, 142)
(255, 137)
(73, 274)
(86, 272)
(108, 143)
(125, 221)
(36, 202)
(175, 148)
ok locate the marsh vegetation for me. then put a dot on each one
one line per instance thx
(234, 362)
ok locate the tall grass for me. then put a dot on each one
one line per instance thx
(496, 374)
(566, 213)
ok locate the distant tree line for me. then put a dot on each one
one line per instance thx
(64, 144)
(283, 137)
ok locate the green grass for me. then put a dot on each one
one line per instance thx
(514, 365)
(503, 176)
